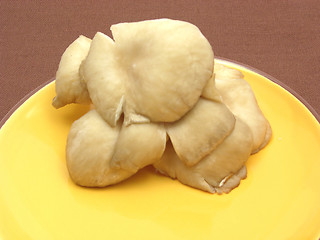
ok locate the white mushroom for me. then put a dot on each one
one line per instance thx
(154, 70)
(201, 130)
(90, 145)
(210, 91)
(69, 86)
(157, 102)
(219, 171)
(239, 97)
(93, 144)
(139, 145)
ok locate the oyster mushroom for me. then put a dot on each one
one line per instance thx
(219, 171)
(70, 88)
(239, 97)
(139, 145)
(153, 70)
(157, 102)
(200, 131)
(93, 144)
(210, 91)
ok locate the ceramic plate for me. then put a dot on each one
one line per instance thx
(278, 200)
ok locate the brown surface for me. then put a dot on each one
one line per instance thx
(281, 38)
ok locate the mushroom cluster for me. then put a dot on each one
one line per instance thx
(157, 99)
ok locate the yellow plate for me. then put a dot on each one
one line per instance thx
(280, 199)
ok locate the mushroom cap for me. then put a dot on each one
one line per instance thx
(90, 145)
(240, 99)
(139, 145)
(154, 70)
(104, 78)
(201, 130)
(99, 155)
(69, 86)
(213, 172)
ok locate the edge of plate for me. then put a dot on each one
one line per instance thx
(22, 101)
(278, 82)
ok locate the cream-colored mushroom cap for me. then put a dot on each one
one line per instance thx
(153, 70)
(69, 86)
(201, 130)
(99, 155)
(220, 171)
(239, 97)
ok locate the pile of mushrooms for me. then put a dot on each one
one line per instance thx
(157, 99)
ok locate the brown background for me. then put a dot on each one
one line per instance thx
(281, 38)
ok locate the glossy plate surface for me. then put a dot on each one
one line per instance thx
(278, 200)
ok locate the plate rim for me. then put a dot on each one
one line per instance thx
(49, 83)
(22, 101)
(278, 82)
